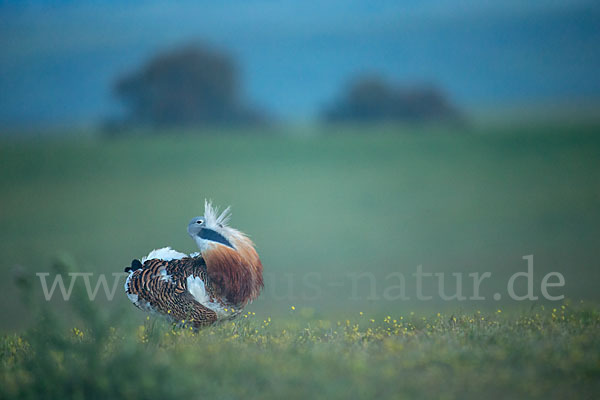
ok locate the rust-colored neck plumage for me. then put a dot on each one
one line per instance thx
(237, 273)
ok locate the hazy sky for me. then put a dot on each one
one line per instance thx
(59, 58)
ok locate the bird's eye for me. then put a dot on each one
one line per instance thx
(199, 221)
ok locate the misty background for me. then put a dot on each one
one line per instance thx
(60, 59)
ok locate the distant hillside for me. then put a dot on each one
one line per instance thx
(58, 61)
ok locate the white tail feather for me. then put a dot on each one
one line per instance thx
(166, 253)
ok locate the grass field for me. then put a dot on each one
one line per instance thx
(543, 353)
(323, 203)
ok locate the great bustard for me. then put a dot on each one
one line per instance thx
(200, 288)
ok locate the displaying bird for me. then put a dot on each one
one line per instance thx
(200, 288)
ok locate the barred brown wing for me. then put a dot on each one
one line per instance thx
(161, 286)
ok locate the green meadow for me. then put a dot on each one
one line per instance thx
(334, 212)
(539, 354)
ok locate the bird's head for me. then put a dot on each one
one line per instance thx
(211, 229)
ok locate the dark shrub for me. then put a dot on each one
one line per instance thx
(193, 85)
(373, 99)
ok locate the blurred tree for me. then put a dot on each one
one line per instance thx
(371, 98)
(192, 85)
